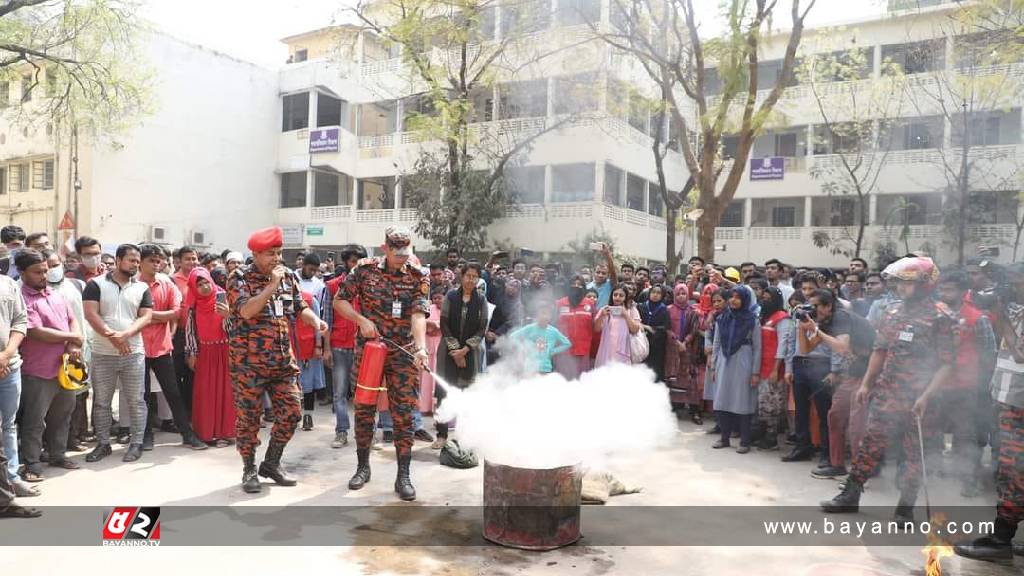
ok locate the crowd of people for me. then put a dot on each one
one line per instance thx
(839, 365)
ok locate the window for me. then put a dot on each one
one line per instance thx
(26, 87)
(916, 133)
(730, 145)
(917, 57)
(842, 137)
(675, 134)
(295, 112)
(909, 209)
(377, 193)
(712, 82)
(572, 183)
(523, 99)
(845, 65)
(988, 48)
(613, 185)
(5, 94)
(777, 212)
(293, 190)
(575, 94)
(789, 143)
(573, 12)
(525, 17)
(993, 207)
(51, 82)
(415, 108)
(42, 175)
(770, 71)
(655, 205)
(834, 211)
(526, 183)
(331, 189)
(733, 215)
(988, 128)
(639, 113)
(636, 190)
(330, 111)
(378, 118)
(3, 181)
(301, 55)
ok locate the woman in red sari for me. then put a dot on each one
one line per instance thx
(206, 346)
(681, 358)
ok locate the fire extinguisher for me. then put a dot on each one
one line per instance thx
(371, 373)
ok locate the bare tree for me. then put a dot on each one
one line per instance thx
(701, 80)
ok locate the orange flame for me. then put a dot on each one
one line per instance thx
(936, 549)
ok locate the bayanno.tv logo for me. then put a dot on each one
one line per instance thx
(132, 526)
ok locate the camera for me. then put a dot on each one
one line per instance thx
(805, 312)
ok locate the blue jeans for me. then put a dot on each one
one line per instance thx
(342, 371)
(384, 421)
(10, 395)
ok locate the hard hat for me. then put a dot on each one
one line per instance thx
(914, 269)
(732, 274)
(73, 373)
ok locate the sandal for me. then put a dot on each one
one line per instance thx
(15, 511)
(30, 476)
(65, 464)
(222, 443)
(23, 490)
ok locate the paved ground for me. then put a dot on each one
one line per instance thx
(687, 473)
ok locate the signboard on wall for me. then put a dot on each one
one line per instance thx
(324, 140)
(314, 230)
(292, 234)
(768, 168)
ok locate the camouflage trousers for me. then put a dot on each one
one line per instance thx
(402, 379)
(1010, 473)
(896, 423)
(285, 402)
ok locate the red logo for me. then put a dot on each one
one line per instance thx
(132, 526)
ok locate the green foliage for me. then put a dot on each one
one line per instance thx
(80, 60)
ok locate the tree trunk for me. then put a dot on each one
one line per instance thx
(706, 237)
(671, 254)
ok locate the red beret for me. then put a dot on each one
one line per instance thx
(266, 239)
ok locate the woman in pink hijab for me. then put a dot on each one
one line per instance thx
(682, 360)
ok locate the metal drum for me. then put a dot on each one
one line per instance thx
(532, 509)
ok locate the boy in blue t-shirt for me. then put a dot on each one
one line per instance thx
(543, 340)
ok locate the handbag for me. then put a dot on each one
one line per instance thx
(639, 346)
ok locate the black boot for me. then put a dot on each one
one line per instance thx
(362, 475)
(250, 482)
(847, 501)
(905, 509)
(271, 466)
(403, 485)
(996, 548)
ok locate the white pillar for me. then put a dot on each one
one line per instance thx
(748, 212)
(808, 206)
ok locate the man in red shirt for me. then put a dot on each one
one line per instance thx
(90, 251)
(343, 343)
(156, 339)
(188, 259)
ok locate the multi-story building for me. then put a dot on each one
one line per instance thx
(190, 172)
(343, 148)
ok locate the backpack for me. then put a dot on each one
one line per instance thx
(455, 456)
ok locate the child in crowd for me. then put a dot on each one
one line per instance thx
(543, 340)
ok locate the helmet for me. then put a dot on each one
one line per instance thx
(919, 269)
(73, 373)
(732, 274)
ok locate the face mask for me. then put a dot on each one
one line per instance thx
(576, 294)
(91, 262)
(55, 275)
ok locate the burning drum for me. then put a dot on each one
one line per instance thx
(532, 509)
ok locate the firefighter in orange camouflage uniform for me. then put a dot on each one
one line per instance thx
(393, 295)
(913, 358)
(262, 298)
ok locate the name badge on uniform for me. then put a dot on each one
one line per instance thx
(906, 336)
(396, 309)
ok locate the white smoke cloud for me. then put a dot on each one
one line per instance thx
(543, 421)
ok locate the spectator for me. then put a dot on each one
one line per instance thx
(684, 354)
(38, 241)
(232, 261)
(542, 340)
(626, 272)
(853, 286)
(604, 277)
(737, 367)
(747, 270)
(463, 322)
(576, 321)
(108, 261)
(874, 287)
(775, 272)
(452, 270)
(616, 322)
(13, 327)
(858, 266)
(712, 303)
(343, 342)
(71, 290)
(207, 356)
(654, 319)
(118, 307)
(90, 251)
(519, 270)
(776, 330)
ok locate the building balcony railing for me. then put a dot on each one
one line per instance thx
(995, 234)
(926, 155)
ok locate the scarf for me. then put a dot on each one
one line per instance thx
(681, 317)
(773, 304)
(209, 326)
(474, 315)
(704, 305)
(735, 325)
(651, 313)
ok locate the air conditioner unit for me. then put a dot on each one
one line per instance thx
(158, 234)
(199, 238)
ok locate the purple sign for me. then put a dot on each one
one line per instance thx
(770, 168)
(324, 140)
